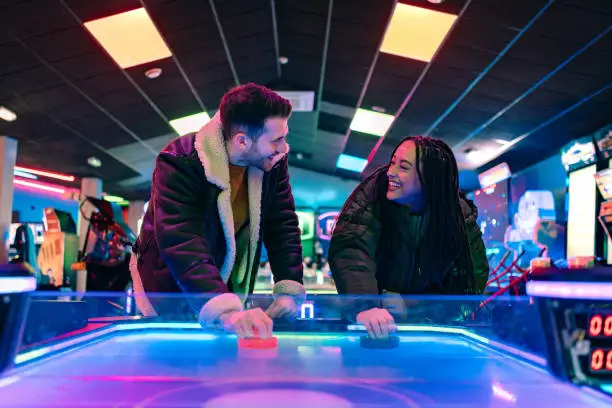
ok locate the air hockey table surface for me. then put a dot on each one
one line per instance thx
(178, 364)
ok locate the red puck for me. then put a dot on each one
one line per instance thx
(258, 343)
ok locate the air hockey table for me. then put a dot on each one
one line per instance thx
(319, 362)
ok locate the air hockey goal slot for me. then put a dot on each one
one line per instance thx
(16, 282)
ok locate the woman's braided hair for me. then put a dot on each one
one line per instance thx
(444, 253)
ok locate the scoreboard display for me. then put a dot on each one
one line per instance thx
(576, 310)
(600, 334)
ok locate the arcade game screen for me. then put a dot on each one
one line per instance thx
(579, 153)
(603, 137)
(603, 179)
(492, 203)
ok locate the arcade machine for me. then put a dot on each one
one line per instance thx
(306, 219)
(58, 250)
(107, 248)
(603, 180)
(492, 201)
(326, 221)
(579, 158)
(23, 243)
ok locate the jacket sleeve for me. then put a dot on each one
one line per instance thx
(352, 252)
(479, 256)
(282, 238)
(477, 246)
(179, 200)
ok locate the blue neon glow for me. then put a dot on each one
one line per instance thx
(307, 311)
(17, 284)
(25, 174)
(351, 163)
(571, 290)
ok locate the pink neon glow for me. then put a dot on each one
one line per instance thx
(37, 186)
(58, 176)
(571, 290)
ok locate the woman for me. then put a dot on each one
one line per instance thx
(406, 229)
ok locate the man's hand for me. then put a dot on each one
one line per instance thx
(281, 307)
(248, 323)
(378, 322)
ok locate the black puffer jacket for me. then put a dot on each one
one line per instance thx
(361, 267)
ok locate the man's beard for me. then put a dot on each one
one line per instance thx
(265, 163)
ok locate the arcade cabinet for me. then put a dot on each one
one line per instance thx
(603, 138)
(492, 201)
(22, 249)
(107, 248)
(579, 158)
(306, 219)
(58, 250)
(603, 180)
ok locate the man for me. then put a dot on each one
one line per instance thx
(216, 196)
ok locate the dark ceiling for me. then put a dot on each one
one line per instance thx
(531, 69)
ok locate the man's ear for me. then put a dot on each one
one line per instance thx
(242, 141)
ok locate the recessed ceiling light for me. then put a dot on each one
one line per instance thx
(94, 162)
(416, 32)
(153, 73)
(191, 123)
(351, 163)
(130, 38)
(7, 114)
(370, 122)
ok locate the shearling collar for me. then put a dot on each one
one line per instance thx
(210, 145)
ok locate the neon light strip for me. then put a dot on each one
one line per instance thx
(58, 176)
(463, 332)
(606, 388)
(17, 284)
(27, 356)
(25, 175)
(571, 290)
(39, 186)
(38, 353)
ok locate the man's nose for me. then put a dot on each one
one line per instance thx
(283, 148)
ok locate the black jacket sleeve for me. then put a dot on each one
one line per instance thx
(282, 231)
(352, 252)
(179, 200)
(477, 246)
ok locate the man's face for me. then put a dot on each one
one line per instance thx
(271, 146)
(404, 184)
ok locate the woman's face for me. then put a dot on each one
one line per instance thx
(404, 184)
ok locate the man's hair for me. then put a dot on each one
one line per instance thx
(246, 108)
(444, 241)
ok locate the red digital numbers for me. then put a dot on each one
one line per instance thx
(601, 360)
(600, 326)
